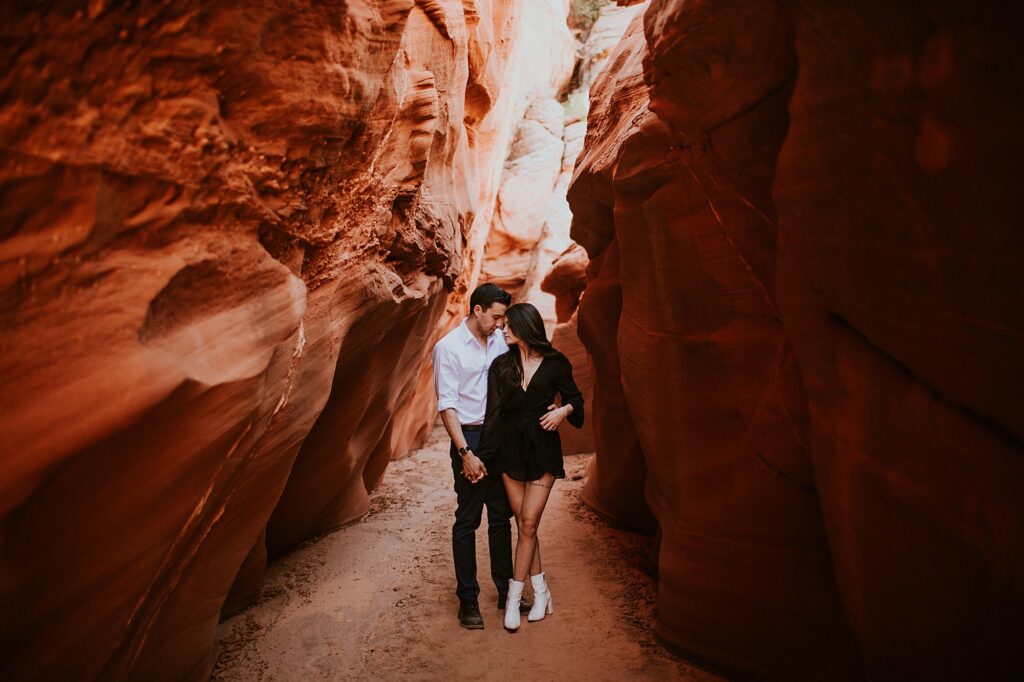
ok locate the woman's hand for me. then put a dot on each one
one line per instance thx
(555, 416)
(473, 467)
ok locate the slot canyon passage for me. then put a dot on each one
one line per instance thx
(780, 242)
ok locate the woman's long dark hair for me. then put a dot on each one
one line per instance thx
(525, 322)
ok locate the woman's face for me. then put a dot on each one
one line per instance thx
(510, 336)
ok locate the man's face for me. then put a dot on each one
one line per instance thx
(490, 319)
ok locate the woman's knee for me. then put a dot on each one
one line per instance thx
(528, 525)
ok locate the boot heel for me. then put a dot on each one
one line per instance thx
(551, 605)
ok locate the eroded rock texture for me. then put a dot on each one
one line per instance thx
(528, 190)
(530, 222)
(802, 226)
(227, 237)
(528, 250)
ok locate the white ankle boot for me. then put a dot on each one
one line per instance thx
(515, 595)
(542, 603)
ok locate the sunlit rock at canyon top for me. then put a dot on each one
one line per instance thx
(787, 275)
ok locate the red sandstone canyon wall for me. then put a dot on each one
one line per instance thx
(802, 221)
(899, 287)
(230, 236)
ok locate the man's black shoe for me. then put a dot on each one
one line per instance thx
(469, 615)
(524, 605)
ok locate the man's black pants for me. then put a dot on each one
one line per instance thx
(472, 497)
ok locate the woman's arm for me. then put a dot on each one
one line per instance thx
(572, 399)
(489, 434)
(571, 396)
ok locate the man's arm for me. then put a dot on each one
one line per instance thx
(446, 383)
(472, 467)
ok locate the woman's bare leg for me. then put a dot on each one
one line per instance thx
(535, 566)
(516, 490)
(530, 510)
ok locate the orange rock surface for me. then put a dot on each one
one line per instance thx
(566, 281)
(229, 236)
(807, 215)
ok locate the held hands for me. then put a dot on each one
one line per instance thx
(555, 416)
(473, 468)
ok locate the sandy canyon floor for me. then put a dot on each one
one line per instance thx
(375, 600)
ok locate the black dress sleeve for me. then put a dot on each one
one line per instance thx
(490, 434)
(570, 393)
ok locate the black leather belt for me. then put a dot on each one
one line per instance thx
(471, 427)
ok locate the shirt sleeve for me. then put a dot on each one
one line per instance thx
(570, 393)
(446, 379)
(490, 433)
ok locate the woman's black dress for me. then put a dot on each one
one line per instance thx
(512, 440)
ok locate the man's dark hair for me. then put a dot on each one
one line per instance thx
(487, 294)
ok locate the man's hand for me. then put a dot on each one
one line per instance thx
(473, 467)
(555, 416)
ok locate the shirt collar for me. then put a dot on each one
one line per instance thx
(467, 335)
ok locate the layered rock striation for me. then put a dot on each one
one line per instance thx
(231, 235)
(800, 306)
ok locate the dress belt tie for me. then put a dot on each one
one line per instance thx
(525, 426)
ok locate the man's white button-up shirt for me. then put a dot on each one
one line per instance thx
(460, 372)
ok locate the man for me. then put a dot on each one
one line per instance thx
(461, 361)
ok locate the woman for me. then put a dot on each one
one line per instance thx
(520, 441)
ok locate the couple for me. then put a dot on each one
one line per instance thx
(496, 376)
